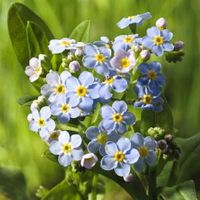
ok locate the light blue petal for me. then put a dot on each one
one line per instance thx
(45, 112)
(124, 144)
(147, 42)
(35, 114)
(155, 66)
(64, 76)
(89, 50)
(111, 148)
(122, 169)
(33, 126)
(150, 143)
(64, 137)
(121, 127)
(53, 78)
(50, 124)
(86, 78)
(104, 92)
(63, 118)
(123, 23)
(119, 106)
(109, 125)
(107, 112)
(140, 165)
(65, 159)
(119, 85)
(77, 154)
(137, 140)
(153, 31)
(92, 132)
(132, 156)
(102, 69)
(129, 118)
(55, 148)
(151, 158)
(168, 47)
(55, 109)
(74, 100)
(93, 146)
(86, 104)
(76, 140)
(75, 112)
(102, 150)
(46, 90)
(93, 90)
(167, 35)
(108, 163)
(158, 50)
(143, 68)
(72, 83)
(89, 61)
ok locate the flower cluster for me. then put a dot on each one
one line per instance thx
(87, 93)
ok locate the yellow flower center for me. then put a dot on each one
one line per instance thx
(117, 117)
(38, 70)
(158, 40)
(81, 91)
(60, 89)
(131, 17)
(143, 151)
(67, 148)
(147, 99)
(125, 62)
(102, 138)
(152, 75)
(41, 122)
(119, 156)
(100, 58)
(109, 80)
(54, 135)
(65, 108)
(65, 43)
(128, 39)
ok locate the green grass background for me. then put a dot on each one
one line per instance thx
(21, 149)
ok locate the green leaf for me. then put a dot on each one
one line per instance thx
(37, 40)
(13, 184)
(188, 165)
(82, 32)
(183, 191)
(162, 119)
(18, 16)
(26, 100)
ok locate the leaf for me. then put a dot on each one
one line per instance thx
(81, 32)
(18, 16)
(183, 191)
(13, 184)
(62, 191)
(188, 165)
(163, 119)
(37, 40)
(26, 100)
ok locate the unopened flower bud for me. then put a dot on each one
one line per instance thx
(78, 52)
(179, 45)
(89, 160)
(161, 23)
(162, 144)
(128, 178)
(41, 99)
(70, 57)
(168, 137)
(74, 66)
(137, 48)
(30, 117)
(145, 55)
(34, 105)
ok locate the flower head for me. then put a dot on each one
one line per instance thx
(158, 40)
(67, 148)
(82, 91)
(97, 58)
(99, 136)
(89, 160)
(137, 19)
(146, 147)
(34, 70)
(123, 61)
(56, 85)
(41, 122)
(64, 110)
(119, 156)
(116, 117)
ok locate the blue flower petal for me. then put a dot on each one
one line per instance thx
(168, 47)
(119, 85)
(108, 163)
(72, 84)
(132, 156)
(121, 127)
(147, 42)
(104, 92)
(129, 118)
(65, 159)
(89, 61)
(124, 144)
(107, 112)
(153, 31)
(92, 132)
(93, 146)
(77, 154)
(151, 158)
(137, 140)
(86, 78)
(140, 165)
(111, 148)
(109, 125)
(86, 104)
(122, 169)
(119, 106)
(158, 50)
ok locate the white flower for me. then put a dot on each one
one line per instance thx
(34, 69)
(89, 160)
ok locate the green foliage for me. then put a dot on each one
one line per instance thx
(26, 100)
(183, 191)
(13, 179)
(82, 32)
(18, 17)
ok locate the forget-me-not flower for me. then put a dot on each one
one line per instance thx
(116, 117)
(146, 147)
(123, 61)
(99, 136)
(97, 58)
(158, 40)
(56, 85)
(67, 148)
(63, 110)
(41, 122)
(82, 91)
(137, 19)
(119, 156)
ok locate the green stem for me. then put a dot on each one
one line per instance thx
(152, 184)
(94, 183)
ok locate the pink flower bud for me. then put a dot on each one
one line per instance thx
(145, 55)
(74, 66)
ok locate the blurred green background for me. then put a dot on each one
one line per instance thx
(22, 149)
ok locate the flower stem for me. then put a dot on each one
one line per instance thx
(152, 184)
(94, 183)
